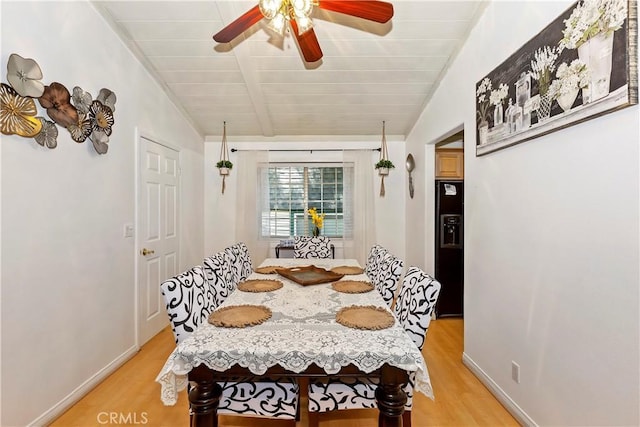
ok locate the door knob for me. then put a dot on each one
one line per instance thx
(146, 251)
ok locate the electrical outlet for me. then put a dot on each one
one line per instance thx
(515, 372)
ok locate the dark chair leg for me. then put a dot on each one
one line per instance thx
(406, 419)
(314, 419)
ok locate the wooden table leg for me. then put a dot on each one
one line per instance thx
(204, 399)
(391, 397)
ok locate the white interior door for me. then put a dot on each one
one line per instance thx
(157, 232)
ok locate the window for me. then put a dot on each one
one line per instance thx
(293, 188)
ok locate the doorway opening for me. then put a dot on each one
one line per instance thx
(449, 225)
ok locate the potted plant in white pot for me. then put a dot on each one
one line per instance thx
(224, 166)
(383, 166)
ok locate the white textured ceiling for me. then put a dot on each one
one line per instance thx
(260, 85)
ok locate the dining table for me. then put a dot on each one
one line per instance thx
(301, 339)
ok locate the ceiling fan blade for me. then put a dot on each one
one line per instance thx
(372, 10)
(308, 43)
(238, 26)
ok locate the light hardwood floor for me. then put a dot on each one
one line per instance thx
(131, 394)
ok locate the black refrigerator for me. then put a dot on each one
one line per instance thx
(449, 268)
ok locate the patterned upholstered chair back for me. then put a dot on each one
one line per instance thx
(312, 247)
(388, 277)
(413, 309)
(189, 301)
(374, 259)
(416, 302)
(240, 261)
(220, 275)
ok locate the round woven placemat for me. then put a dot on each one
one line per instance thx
(258, 285)
(352, 286)
(239, 316)
(365, 317)
(267, 269)
(347, 269)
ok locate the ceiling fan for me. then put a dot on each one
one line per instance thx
(297, 14)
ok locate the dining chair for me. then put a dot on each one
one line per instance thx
(240, 260)
(189, 300)
(388, 276)
(313, 247)
(220, 276)
(374, 258)
(413, 310)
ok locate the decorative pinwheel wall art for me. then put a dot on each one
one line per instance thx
(80, 114)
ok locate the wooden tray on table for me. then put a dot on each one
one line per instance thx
(309, 275)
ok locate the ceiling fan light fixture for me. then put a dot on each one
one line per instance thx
(278, 24)
(304, 24)
(302, 7)
(297, 14)
(270, 8)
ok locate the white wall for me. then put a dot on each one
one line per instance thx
(220, 209)
(68, 281)
(551, 244)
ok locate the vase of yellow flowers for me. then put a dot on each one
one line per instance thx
(318, 221)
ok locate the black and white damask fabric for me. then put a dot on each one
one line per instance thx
(220, 276)
(189, 301)
(240, 262)
(350, 393)
(312, 247)
(388, 277)
(415, 305)
(416, 302)
(277, 399)
(374, 259)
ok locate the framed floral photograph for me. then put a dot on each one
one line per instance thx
(582, 65)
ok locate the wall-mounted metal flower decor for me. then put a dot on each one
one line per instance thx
(101, 118)
(48, 136)
(17, 114)
(77, 112)
(24, 75)
(57, 100)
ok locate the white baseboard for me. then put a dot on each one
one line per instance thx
(72, 398)
(499, 394)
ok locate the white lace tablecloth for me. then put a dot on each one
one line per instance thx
(301, 332)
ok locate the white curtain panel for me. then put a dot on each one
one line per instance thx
(249, 205)
(359, 200)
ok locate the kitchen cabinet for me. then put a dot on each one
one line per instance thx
(450, 163)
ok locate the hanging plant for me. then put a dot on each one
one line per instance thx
(384, 164)
(224, 165)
